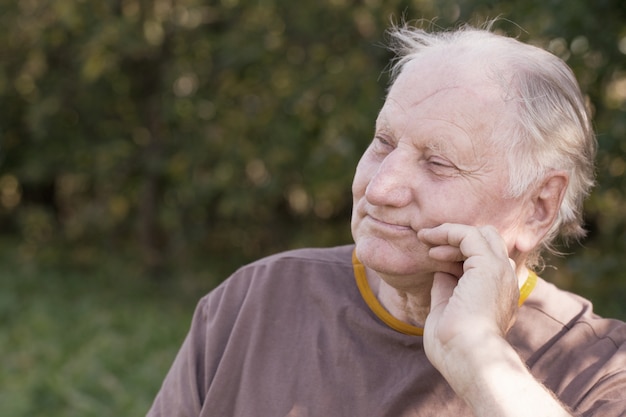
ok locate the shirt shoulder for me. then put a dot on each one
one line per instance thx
(578, 354)
(339, 255)
(295, 265)
(550, 311)
(280, 274)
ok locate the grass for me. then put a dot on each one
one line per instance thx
(85, 343)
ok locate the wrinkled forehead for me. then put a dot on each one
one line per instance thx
(461, 92)
(448, 73)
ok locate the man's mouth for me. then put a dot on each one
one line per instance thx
(391, 224)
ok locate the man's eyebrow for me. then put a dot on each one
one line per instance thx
(437, 139)
(382, 123)
(436, 146)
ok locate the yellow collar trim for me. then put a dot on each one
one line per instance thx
(398, 325)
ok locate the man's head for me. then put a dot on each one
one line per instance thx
(521, 130)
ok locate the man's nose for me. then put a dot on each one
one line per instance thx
(391, 184)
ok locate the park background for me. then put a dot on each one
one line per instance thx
(149, 147)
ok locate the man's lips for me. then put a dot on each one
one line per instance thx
(390, 224)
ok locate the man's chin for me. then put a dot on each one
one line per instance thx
(389, 260)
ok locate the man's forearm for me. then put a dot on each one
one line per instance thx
(494, 381)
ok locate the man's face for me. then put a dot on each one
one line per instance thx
(432, 161)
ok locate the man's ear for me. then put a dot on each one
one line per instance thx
(543, 207)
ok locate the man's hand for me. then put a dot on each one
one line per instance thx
(464, 333)
(483, 301)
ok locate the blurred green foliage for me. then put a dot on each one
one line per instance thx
(178, 133)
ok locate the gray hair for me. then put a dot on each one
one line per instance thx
(553, 129)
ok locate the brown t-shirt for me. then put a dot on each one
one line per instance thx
(290, 335)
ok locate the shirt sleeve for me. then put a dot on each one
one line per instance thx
(181, 392)
(190, 377)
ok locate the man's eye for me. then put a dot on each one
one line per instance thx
(382, 144)
(440, 163)
(383, 140)
(443, 167)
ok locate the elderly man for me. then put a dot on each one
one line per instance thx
(482, 155)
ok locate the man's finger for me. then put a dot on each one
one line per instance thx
(442, 289)
(446, 253)
(470, 240)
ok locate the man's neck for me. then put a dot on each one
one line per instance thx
(408, 303)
